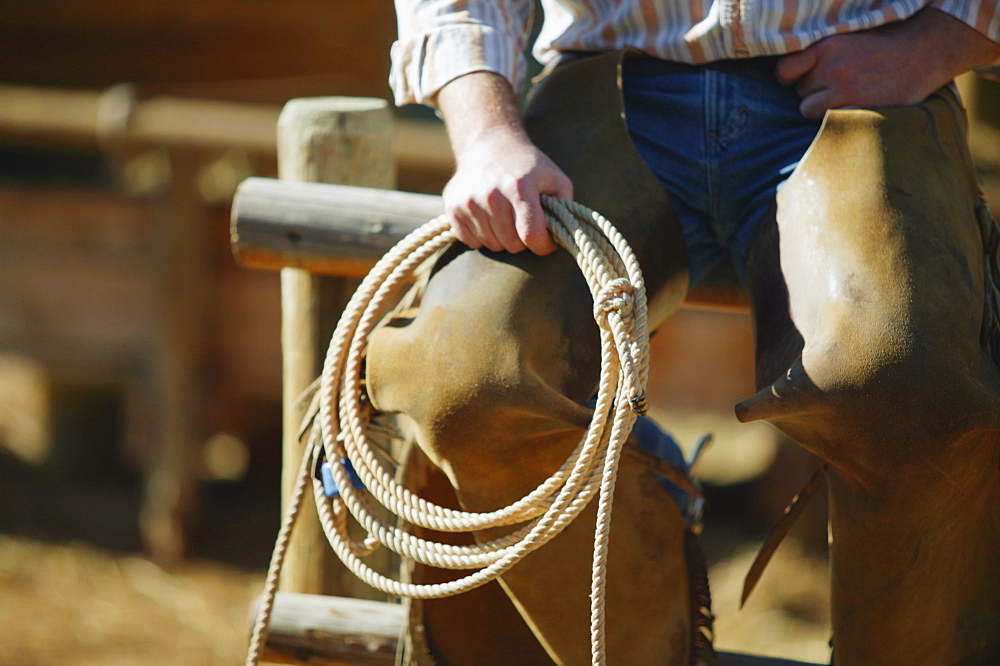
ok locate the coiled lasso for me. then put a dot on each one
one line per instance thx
(619, 294)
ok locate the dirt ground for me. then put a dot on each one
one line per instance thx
(78, 604)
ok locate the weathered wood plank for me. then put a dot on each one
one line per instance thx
(342, 230)
(332, 630)
(326, 229)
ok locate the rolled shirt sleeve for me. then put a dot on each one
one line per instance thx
(984, 16)
(441, 40)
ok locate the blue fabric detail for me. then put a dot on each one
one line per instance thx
(652, 439)
(330, 484)
(721, 138)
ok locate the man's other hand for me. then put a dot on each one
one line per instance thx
(894, 64)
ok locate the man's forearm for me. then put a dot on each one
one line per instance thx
(476, 105)
(493, 198)
(968, 48)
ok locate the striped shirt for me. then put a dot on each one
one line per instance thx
(440, 40)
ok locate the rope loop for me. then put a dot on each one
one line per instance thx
(340, 430)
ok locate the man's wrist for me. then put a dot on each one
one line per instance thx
(972, 50)
(479, 106)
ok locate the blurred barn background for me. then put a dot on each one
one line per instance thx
(140, 367)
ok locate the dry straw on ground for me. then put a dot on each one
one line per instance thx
(75, 604)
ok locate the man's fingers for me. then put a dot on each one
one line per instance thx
(530, 218)
(494, 203)
(483, 222)
(471, 225)
(461, 226)
(816, 104)
(812, 81)
(794, 66)
(501, 222)
(531, 226)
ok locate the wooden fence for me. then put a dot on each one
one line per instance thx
(130, 284)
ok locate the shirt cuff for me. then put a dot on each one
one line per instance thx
(426, 62)
(991, 71)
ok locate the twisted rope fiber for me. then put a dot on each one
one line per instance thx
(259, 636)
(616, 285)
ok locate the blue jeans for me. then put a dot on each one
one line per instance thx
(721, 138)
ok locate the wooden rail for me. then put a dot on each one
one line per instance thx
(326, 229)
(91, 118)
(344, 230)
(317, 629)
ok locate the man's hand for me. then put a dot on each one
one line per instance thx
(895, 64)
(493, 198)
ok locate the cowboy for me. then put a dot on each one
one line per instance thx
(816, 147)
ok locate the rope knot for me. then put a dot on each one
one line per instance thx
(616, 296)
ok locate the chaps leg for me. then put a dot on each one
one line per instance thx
(869, 353)
(446, 631)
(496, 364)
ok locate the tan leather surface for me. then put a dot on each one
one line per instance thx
(868, 301)
(479, 627)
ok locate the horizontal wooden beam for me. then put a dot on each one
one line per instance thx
(333, 631)
(93, 117)
(326, 229)
(342, 230)
(82, 117)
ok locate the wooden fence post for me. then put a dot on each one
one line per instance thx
(327, 140)
(176, 384)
